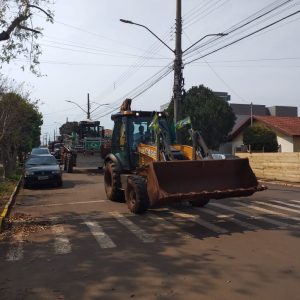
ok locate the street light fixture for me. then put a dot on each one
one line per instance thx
(212, 34)
(77, 105)
(99, 105)
(88, 112)
(137, 24)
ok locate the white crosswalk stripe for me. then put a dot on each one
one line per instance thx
(230, 218)
(243, 213)
(61, 244)
(15, 251)
(198, 220)
(286, 203)
(167, 225)
(101, 237)
(279, 207)
(297, 201)
(136, 230)
(271, 212)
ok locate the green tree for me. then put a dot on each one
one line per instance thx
(68, 128)
(261, 138)
(209, 114)
(18, 35)
(20, 124)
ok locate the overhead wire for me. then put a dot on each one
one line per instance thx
(244, 37)
(240, 25)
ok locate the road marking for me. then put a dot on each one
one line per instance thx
(258, 208)
(68, 203)
(285, 203)
(167, 225)
(16, 250)
(62, 244)
(297, 201)
(101, 237)
(229, 217)
(278, 206)
(265, 219)
(137, 231)
(198, 220)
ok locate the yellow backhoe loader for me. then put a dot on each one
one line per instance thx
(145, 168)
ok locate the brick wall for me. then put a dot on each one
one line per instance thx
(275, 166)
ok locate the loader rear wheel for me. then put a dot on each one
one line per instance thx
(112, 183)
(201, 203)
(136, 195)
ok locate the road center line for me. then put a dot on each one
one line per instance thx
(68, 203)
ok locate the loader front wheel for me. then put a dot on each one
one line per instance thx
(112, 183)
(136, 195)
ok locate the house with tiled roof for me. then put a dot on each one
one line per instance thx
(287, 130)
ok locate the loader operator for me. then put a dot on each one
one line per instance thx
(141, 136)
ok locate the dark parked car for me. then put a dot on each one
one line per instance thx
(42, 169)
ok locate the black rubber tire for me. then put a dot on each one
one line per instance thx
(112, 182)
(200, 203)
(136, 195)
(59, 183)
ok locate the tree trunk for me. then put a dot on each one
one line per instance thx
(9, 162)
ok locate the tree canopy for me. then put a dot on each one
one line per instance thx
(209, 114)
(18, 35)
(20, 130)
(68, 128)
(261, 138)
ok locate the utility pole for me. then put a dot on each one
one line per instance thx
(88, 106)
(178, 79)
(251, 114)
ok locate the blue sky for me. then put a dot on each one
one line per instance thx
(88, 50)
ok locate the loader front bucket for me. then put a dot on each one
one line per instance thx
(196, 180)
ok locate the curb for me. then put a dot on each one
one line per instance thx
(277, 182)
(9, 203)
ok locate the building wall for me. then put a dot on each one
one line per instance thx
(283, 111)
(286, 142)
(245, 109)
(297, 144)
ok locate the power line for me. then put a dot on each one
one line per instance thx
(240, 25)
(244, 37)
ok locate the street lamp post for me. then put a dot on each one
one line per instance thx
(178, 66)
(88, 111)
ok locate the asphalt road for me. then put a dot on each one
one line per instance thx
(72, 243)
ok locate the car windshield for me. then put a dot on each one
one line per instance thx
(41, 160)
(40, 151)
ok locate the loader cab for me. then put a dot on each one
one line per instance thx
(130, 129)
(89, 129)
